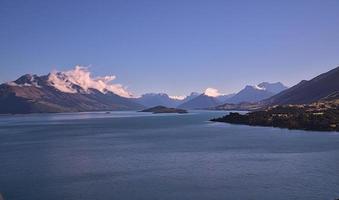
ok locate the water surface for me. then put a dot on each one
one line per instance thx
(132, 155)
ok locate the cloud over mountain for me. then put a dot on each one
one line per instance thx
(212, 92)
(81, 76)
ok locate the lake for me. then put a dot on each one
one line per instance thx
(133, 155)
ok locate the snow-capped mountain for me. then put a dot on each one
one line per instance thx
(80, 80)
(257, 93)
(272, 87)
(70, 91)
(210, 98)
(76, 90)
(191, 96)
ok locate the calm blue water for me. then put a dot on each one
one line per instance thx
(130, 155)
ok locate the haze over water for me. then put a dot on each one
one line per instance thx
(131, 155)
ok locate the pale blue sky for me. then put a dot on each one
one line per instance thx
(175, 46)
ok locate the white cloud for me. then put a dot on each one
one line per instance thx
(81, 76)
(212, 92)
(178, 97)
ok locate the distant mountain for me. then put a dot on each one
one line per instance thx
(310, 91)
(224, 98)
(162, 99)
(158, 99)
(200, 102)
(57, 92)
(272, 87)
(191, 96)
(250, 94)
(257, 93)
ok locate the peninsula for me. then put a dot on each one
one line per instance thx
(319, 116)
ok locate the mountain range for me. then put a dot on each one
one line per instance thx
(200, 102)
(34, 94)
(193, 101)
(257, 93)
(156, 99)
(321, 88)
(65, 92)
(249, 94)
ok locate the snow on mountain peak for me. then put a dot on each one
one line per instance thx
(26, 80)
(66, 81)
(258, 87)
(178, 97)
(273, 87)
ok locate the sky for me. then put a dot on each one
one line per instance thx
(176, 46)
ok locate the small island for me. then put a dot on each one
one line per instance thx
(163, 109)
(320, 116)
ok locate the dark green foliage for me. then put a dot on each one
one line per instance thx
(320, 117)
